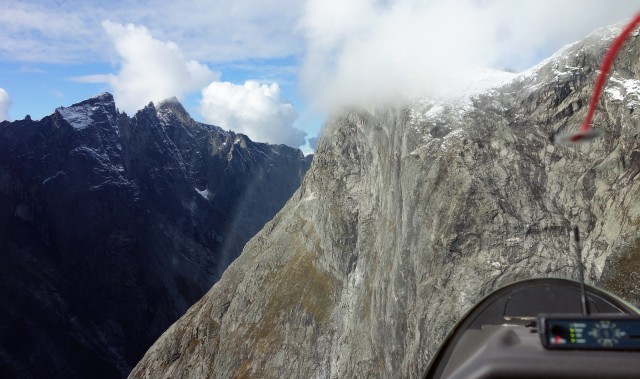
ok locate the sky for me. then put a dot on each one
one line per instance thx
(274, 69)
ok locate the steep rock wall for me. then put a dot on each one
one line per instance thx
(411, 214)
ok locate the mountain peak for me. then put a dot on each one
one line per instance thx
(109, 191)
(173, 106)
(170, 100)
(104, 98)
(81, 115)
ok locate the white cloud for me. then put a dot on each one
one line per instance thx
(5, 103)
(254, 109)
(313, 142)
(47, 32)
(150, 70)
(214, 31)
(224, 31)
(368, 50)
(352, 49)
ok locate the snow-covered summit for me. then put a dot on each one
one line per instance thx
(559, 64)
(81, 115)
(437, 120)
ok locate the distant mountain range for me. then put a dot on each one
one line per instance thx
(112, 226)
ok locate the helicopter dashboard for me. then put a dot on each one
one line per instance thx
(535, 329)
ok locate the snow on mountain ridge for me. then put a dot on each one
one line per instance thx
(442, 119)
(621, 89)
(445, 115)
(599, 39)
(81, 115)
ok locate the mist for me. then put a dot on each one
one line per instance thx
(364, 51)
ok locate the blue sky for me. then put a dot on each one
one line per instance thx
(273, 69)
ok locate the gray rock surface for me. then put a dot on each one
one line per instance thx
(411, 214)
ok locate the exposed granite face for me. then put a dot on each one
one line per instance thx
(112, 226)
(410, 215)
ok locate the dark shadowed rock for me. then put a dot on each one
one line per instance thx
(112, 226)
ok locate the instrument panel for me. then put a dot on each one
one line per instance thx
(591, 333)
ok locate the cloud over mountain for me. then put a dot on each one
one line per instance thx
(5, 103)
(150, 69)
(254, 109)
(363, 50)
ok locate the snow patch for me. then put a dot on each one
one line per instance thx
(205, 193)
(614, 93)
(434, 113)
(163, 115)
(488, 80)
(312, 196)
(78, 116)
(439, 121)
(449, 137)
(427, 108)
(624, 90)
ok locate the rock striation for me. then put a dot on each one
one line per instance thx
(410, 214)
(112, 226)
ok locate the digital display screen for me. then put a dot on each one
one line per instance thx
(591, 333)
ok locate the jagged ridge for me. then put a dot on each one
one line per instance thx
(112, 226)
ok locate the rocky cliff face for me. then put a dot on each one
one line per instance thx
(409, 215)
(112, 226)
